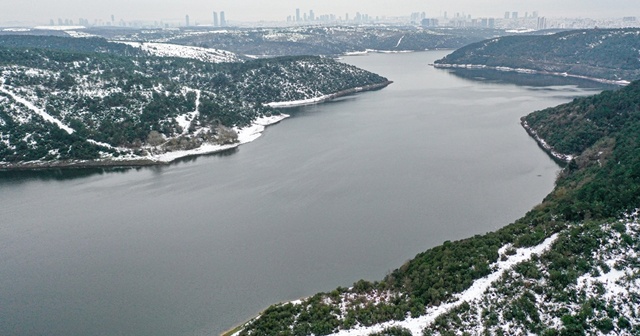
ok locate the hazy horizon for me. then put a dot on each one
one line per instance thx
(200, 11)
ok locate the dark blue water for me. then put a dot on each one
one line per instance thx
(341, 191)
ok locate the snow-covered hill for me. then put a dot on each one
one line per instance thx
(175, 50)
(59, 106)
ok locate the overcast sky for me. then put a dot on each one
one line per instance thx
(41, 11)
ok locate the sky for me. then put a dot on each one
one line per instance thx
(200, 11)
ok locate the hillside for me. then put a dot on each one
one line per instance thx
(103, 102)
(605, 54)
(308, 40)
(568, 267)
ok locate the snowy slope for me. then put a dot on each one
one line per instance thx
(176, 50)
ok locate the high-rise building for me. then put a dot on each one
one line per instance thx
(312, 15)
(186, 20)
(346, 17)
(542, 23)
(216, 23)
(223, 20)
(506, 15)
(298, 19)
(514, 15)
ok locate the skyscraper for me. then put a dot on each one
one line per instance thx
(186, 20)
(298, 14)
(216, 23)
(223, 20)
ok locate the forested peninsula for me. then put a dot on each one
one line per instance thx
(606, 55)
(568, 267)
(85, 102)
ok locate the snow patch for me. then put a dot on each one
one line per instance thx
(245, 135)
(176, 50)
(46, 116)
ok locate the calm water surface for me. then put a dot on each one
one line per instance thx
(341, 191)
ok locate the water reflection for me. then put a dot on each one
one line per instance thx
(71, 173)
(547, 82)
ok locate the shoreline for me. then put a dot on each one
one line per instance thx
(331, 96)
(556, 156)
(472, 294)
(245, 135)
(529, 71)
(234, 331)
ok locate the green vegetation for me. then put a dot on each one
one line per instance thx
(129, 102)
(330, 40)
(604, 180)
(610, 54)
(598, 186)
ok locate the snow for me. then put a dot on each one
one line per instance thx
(245, 135)
(79, 34)
(46, 116)
(184, 120)
(520, 31)
(473, 294)
(176, 50)
(16, 30)
(301, 102)
(367, 51)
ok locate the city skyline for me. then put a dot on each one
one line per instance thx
(200, 12)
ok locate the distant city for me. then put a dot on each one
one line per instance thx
(510, 20)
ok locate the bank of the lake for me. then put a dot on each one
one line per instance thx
(340, 191)
(529, 72)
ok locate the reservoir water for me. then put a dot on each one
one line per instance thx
(338, 192)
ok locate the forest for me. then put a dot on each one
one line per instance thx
(610, 54)
(595, 189)
(114, 97)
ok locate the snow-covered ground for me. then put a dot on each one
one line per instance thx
(245, 135)
(46, 116)
(185, 120)
(79, 34)
(176, 50)
(301, 102)
(475, 293)
(367, 51)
